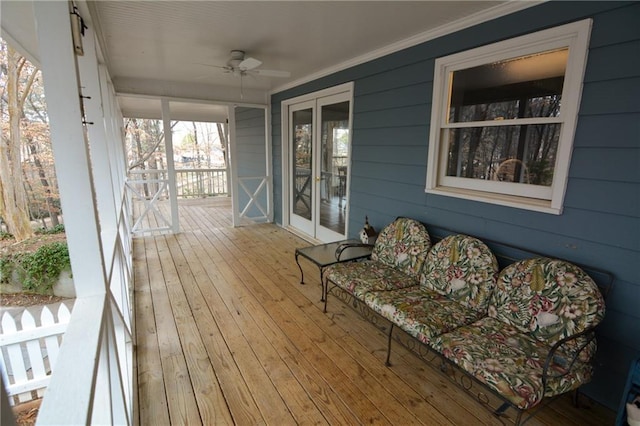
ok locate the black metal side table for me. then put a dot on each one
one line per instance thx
(328, 254)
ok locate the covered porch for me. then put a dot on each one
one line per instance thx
(209, 325)
(226, 334)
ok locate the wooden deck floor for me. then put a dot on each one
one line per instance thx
(227, 335)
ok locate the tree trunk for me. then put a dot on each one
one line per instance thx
(53, 215)
(140, 154)
(195, 143)
(480, 114)
(222, 133)
(15, 205)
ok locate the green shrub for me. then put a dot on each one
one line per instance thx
(42, 267)
(4, 235)
(6, 268)
(55, 230)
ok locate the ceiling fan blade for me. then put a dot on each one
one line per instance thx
(210, 65)
(271, 73)
(249, 64)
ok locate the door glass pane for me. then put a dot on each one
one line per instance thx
(302, 132)
(333, 162)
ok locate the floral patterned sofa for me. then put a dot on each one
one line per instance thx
(525, 332)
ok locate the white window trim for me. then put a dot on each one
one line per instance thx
(575, 36)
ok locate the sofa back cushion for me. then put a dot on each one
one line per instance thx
(463, 269)
(548, 299)
(403, 244)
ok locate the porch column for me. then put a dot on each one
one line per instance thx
(73, 166)
(94, 115)
(233, 165)
(71, 394)
(171, 167)
(115, 132)
(269, 160)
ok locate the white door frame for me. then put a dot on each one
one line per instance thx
(286, 152)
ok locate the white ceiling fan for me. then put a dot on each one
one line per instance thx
(242, 65)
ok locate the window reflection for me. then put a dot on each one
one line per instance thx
(521, 154)
(517, 88)
(527, 86)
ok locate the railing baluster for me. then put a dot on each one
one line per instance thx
(197, 183)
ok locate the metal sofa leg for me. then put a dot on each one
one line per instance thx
(388, 362)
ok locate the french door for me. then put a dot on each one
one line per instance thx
(319, 147)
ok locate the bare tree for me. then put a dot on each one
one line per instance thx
(222, 134)
(14, 207)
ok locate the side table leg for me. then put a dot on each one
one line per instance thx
(299, 267)
(324, 295)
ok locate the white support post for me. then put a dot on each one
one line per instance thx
(171, 169)
(73, 166)
(94, 115)
(233, 165)
(269, 161)
(117, 162)
(114, 130)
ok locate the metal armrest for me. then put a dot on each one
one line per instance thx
(567, 364)
(342, 247)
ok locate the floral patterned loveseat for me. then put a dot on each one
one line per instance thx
(456, 281)
(396, 261)
(536, 339)
(525, 332)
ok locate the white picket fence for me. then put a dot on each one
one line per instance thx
(29, 351)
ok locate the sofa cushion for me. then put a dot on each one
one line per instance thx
(548, 299)
(422, 313)
(463, 269)
(508, 361)
(359, 278)
(403, 244)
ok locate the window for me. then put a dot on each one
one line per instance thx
(503, 119)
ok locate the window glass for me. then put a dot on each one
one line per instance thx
(520, 154)
(504, 117)
(522, 87)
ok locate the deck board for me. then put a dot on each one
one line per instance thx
(226, 334)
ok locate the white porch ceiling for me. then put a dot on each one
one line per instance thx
(158, 47)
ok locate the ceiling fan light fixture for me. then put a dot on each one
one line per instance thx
(234, 63)
(237, 55)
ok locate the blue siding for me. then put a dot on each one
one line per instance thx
(600, 224)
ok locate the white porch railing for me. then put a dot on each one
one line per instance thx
(29, 350)
(147, 187)
(254, 198)
(190, 183)
(197, 183)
